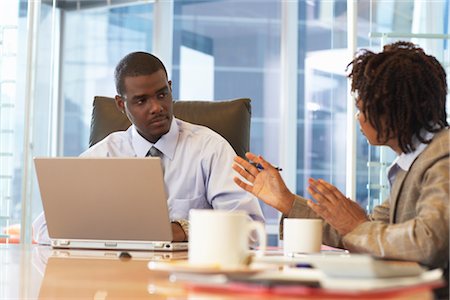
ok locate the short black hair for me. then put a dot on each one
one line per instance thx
(136, 64)
(403, 88)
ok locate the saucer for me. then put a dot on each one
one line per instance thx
(186, 267)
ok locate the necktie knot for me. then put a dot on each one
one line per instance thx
(154, 152)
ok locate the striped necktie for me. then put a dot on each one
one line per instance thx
(154, 152)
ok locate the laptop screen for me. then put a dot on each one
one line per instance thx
(107, 199)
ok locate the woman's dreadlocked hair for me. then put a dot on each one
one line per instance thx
(402, 90)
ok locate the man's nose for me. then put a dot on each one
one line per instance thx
(154, 106)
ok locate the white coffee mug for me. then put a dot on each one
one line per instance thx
(222, 238)
(301, 235)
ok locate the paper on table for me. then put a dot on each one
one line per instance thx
(283, 283)
(302, 276)
(365, 284)
(348, 265)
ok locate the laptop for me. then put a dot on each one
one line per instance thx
(105, 203)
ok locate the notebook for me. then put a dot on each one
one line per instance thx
(105, 203)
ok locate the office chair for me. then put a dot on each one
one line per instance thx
(230, 119)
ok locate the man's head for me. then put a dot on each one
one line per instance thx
(144, 94)
(399, 92)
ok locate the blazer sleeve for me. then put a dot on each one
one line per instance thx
(300, 209)
(419, 231)
(381, 212)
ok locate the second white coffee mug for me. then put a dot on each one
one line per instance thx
(301, 235)
(221, 238)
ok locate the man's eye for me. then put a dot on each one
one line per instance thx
(162, 95)
(140, 101)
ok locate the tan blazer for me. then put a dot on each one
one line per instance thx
(412, 224)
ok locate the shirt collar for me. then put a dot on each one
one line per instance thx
(405, 160)
(166, 144)
(140, 145)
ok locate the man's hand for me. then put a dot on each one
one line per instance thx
(340, 212)
(178, 233)
(266, 184)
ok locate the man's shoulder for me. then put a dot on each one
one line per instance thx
(198, 131)
(111, 143)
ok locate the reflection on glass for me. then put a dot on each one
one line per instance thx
(89, 58)
(232, 50)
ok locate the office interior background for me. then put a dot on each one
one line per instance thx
(288, 56)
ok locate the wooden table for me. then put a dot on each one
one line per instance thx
(31, 272)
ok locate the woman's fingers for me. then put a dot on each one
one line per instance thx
(319, 197)
(245, 166)
(332, 189)
(327, 191)
(243, 172)
(251, 156)
(321, 210)
(243, 185)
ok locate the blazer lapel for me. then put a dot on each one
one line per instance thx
(396, 188)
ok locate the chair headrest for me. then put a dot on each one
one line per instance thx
(229, 118)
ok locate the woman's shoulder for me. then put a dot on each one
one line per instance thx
(438, 151)
(440, 142)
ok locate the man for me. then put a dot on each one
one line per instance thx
(196, 160)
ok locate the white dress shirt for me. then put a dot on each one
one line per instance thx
(197, 170)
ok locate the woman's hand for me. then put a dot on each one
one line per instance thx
(340, 212)
(266, 183)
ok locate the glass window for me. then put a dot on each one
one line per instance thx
(386, 22)
(25, 64)
(10, 123)
(89, 58)
(322, 93)
(232, 50)
(222, 49)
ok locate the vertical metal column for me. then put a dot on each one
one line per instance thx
(32, 29)
(352, 14)
(288, 92)
(163, 32)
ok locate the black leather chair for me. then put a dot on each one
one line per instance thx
(231, 119)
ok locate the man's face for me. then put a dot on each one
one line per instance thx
(147, 101)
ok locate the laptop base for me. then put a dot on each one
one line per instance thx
(120, 245)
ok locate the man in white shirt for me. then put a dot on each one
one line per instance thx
(196, 160)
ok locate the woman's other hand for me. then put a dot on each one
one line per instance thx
(340, 212)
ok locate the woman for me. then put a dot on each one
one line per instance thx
(401, 94)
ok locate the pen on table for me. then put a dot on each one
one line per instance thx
(259, 167)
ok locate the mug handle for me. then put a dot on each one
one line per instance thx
(261, 232)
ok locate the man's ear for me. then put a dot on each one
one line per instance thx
(170, 85)
(120, 103)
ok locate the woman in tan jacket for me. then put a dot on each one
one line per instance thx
(401, 98)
